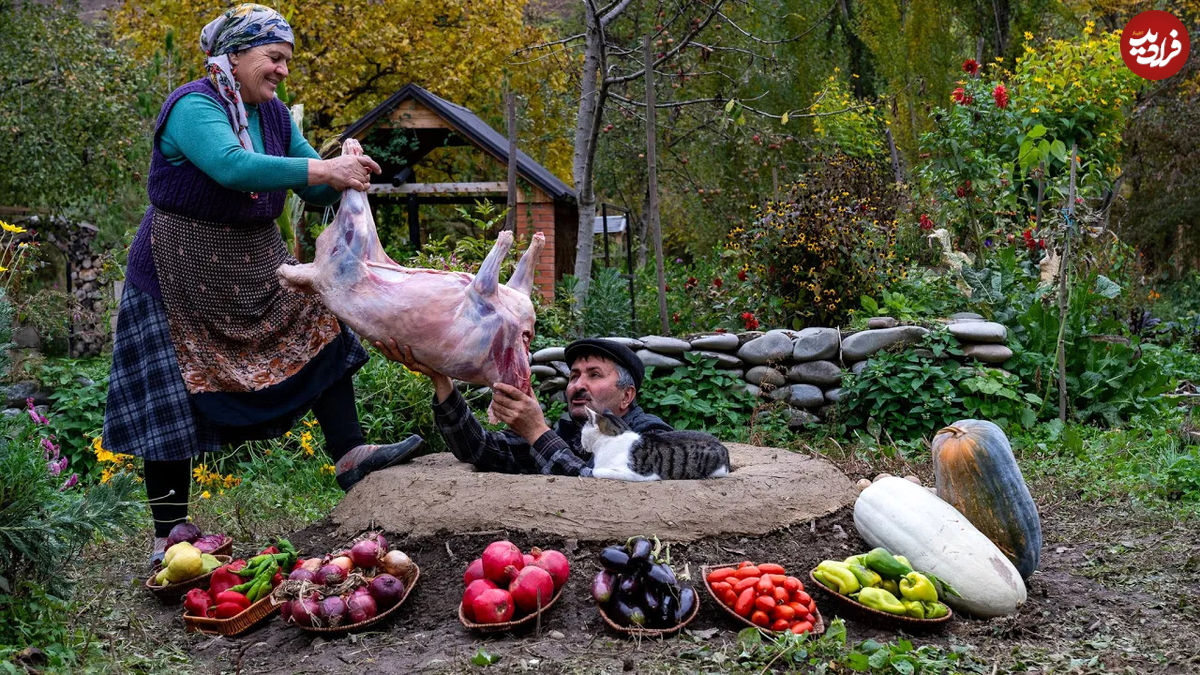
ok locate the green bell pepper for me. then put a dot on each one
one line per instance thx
(886, 564)
(877, 598)
(916, 586)
(838, 577)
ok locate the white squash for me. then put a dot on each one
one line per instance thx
(911, 521)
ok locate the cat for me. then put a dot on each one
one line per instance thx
(623, 454)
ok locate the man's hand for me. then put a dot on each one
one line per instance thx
(441, 384)
(519, 411)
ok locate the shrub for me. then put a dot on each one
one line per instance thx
(698, 396)
(830, 242)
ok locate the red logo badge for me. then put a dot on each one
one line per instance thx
(1155, 44)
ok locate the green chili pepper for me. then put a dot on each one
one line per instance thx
(916, 586)
(877, 598)
(844, 581)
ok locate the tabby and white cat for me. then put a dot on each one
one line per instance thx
(623, 454)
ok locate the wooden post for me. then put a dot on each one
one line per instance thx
(510, 108)
(652, 182)
(1063, 300)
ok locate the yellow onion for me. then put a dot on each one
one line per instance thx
(396, 563)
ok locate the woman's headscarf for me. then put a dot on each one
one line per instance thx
(241, 27)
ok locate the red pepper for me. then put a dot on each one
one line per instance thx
(225, 577)
(197, 602)
(277, 579)
(270, 550)
(228, 610)
(234, 597)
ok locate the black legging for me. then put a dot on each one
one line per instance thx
(334, 410)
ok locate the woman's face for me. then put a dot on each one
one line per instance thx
(261, 69)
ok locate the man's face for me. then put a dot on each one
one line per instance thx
(593, 384)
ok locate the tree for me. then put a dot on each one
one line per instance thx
(71, 137)
(348, 59)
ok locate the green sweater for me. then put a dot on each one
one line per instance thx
(198, 131)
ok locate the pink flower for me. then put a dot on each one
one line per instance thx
(56, 467)
(70, 482)
(961, 97)
(1000, 93)
(50, 448)
(971, 67)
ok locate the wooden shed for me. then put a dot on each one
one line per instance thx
(545, 204)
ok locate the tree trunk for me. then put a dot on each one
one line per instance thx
(587, 127)
(652, 184)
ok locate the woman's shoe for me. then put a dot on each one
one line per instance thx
(383, 457)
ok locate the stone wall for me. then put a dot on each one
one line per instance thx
(802, 368)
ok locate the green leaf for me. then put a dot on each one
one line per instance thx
(1036, 132)
(484, 658)
(1059, 150)
(730, 104)
(1107, 287)
(784, 119)
(903, 667)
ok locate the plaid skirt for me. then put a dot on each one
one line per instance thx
(149, 413)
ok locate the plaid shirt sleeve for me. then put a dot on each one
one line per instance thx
(502, 451)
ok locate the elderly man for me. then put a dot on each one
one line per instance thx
(605, 375)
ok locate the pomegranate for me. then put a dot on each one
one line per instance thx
(331, 574)
(497, 556)
(474, 571)
(365, 553)
(528, 558)
(531, 589)
(494, 605)
(553, 562)
(333, 611)
(473, 589)
(362, 607)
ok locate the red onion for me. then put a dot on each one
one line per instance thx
(362, 607)
(365, 554)
(331, 574)
(386, 589)
(333, 611)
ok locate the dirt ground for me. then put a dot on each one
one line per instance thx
(1115, 593)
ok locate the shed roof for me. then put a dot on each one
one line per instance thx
(474, 129)
(616, 225)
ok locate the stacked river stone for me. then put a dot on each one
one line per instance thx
(802, 368)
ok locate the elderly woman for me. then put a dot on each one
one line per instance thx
(209, 348)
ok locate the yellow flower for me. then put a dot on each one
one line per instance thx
(3, 268)
(1028, 35)
(1035, 109)
(310, 423)
(328, 468)
(11, 228)
(205, 495)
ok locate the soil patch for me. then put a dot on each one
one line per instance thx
(436, 494)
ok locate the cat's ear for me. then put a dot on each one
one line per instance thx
(591, 414)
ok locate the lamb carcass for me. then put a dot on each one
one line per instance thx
(467, 327)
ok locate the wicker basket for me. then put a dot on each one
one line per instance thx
(234, 625)
(818, 621)
(225, 548)
(879, 616)
(410, 582)
(171, 593)
(530, 619)
(637, 631)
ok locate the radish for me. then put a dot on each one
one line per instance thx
(494, 605)
(553, 562)
(531, 589)
(528, 558)
(474, 589)
(474, 571)
(497, 556)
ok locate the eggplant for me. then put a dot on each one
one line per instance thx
(629, 588)
(614, 558)
(662, 575)
(651, 601)
(603, 586)
(639, 551)
(665, 617)
(687, 602)
(630, 614)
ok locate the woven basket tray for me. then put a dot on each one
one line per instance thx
(234, 625)
(171, 593)
(225, 548)
(530, 619)
(879, 616)
(818, 621)
(636, 631)
(410, 582)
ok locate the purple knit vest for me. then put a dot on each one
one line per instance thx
(188, 191)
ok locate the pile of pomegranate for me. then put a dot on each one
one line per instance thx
(345, 587)
(505, 584)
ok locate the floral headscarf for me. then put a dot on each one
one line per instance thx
(239, 28)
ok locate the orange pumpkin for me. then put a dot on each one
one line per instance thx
(977, 474)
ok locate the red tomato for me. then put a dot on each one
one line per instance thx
(771, 568)
(779, 625)
(801, 627)
(748, 571)
(760, 618)
(745, 603)
(764, 602)
(720, 575)
(783, 612)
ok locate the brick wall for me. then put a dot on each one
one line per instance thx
(539, 217)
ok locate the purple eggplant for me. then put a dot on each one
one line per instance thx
(603, 585)
(614, 558)
(651, 601)
(665, 616)
(630, 614)
(662, 575)
(687, 602)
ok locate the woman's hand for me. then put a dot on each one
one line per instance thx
(344, 172)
